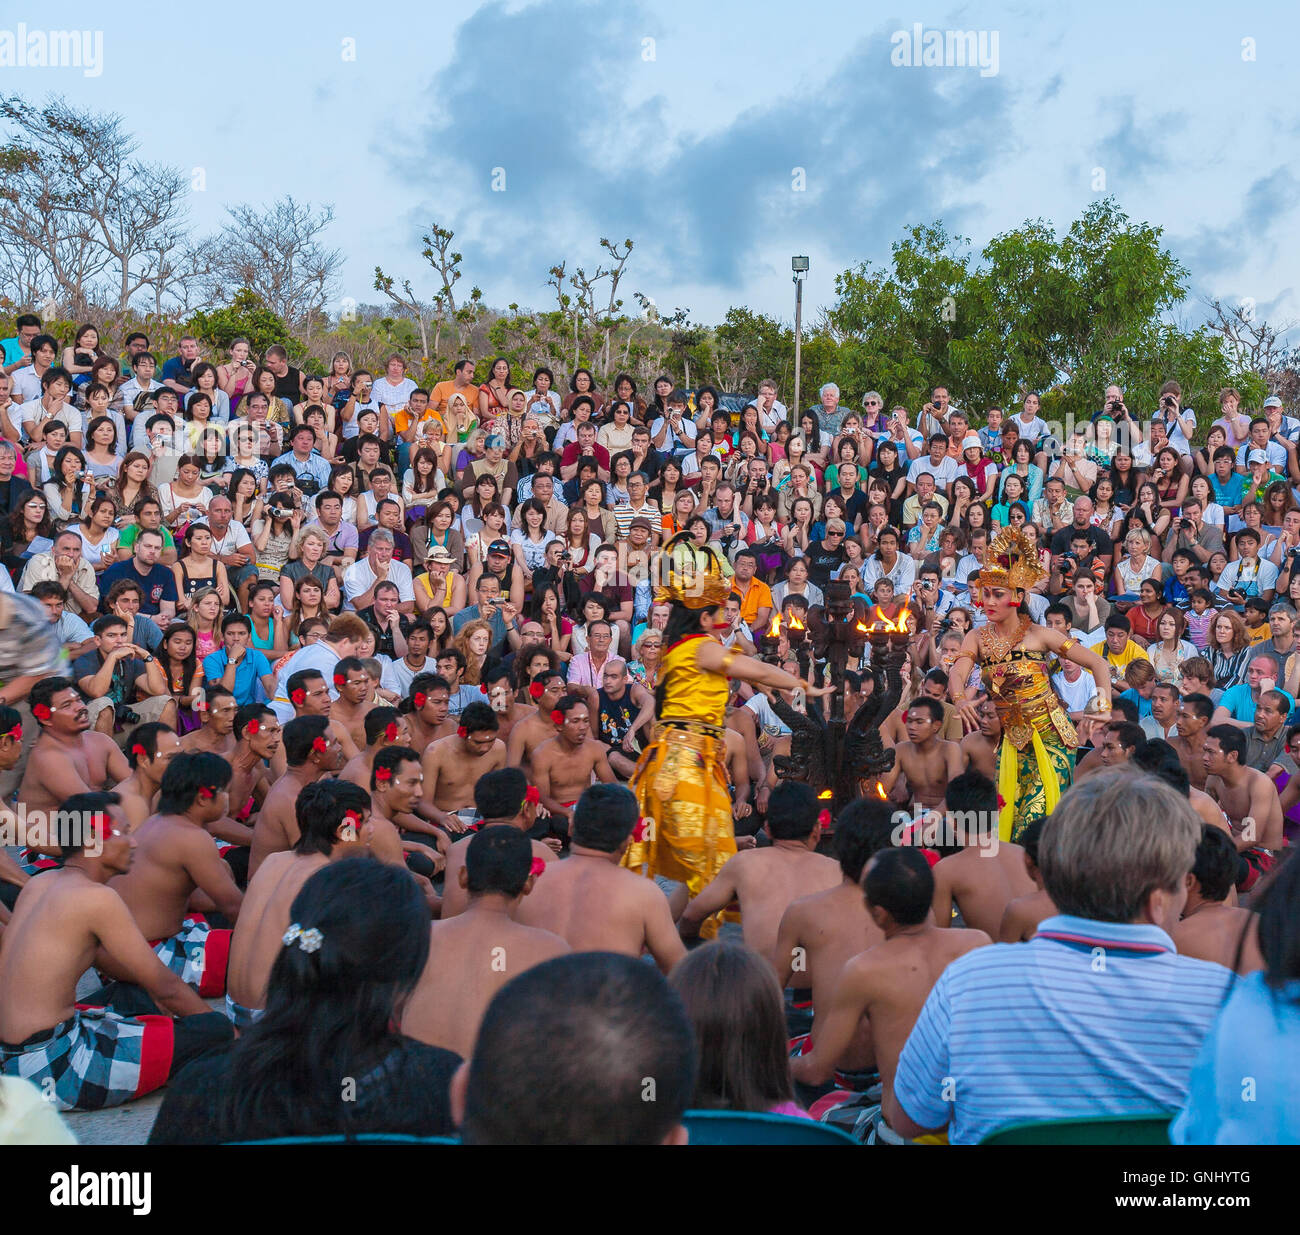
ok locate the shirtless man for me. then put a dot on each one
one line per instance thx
(1211, 929)
(820, 933)
(767, 881)
(926, 760)
(310, 696)
(1248, 798)
(933, 686)
(888, 984)
(67, 758)
(452, 766)
(333, 823)
(1194, 714)
(592, 902)
(174, 859)
(384, 726)
(258, 761)
(311, 751)
(354, 700)
(476, 953)
(500, 797)
(501, 699)
(547, 689)
(1161, 759)
(986, 875)
(563, 766)
(216, 735)
(428, 710)
(979, 748)
(1021, 918)
(397, 835)
(62, 922)
(12, 876)
(152, 746)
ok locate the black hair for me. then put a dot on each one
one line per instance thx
(299, 680)
(900, 882)
(299, 736)
(478, 717)
(933, 706)
(792, 811)
(1231, 740)
(70, 824)
(1117, 621)
(321, 808)
(390, 758)
(500, 794)
(9, 717)
(498, 859)
(144, 736)
(604, 817)
(1216, 863)
(45, 690)
(330, 1012)
(971, 792)
(231, 620)
(1130, 735)
(1126, 708)
(249, 712)
(346, 665)
(1161, 760)
(187, 774)
(620, 1023)
(377, 721)
(1031, 836)
(862, 829)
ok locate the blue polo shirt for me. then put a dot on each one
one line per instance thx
(247, 688)
(1238, 703)
(1086, 1020)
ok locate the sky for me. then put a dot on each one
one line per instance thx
(722, 136)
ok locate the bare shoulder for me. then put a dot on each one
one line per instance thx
(966, 938)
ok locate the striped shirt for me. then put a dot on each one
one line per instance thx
(1089, 1019)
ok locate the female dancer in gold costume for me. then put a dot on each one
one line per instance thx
(680, 781)
(1036, 759)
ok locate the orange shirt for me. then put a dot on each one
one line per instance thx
(757, 596)
(442, 391)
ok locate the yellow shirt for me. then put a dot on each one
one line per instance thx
(1122, 659)
(692, 693)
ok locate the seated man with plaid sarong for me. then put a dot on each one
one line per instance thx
(65, 920)
(175, 859)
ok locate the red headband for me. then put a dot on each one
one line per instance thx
(383, 773)
(390, 731)
(536, 690)
(299, 696)
(41, 711)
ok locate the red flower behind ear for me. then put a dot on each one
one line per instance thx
(254, 727)
(482, 688)
(41, 711)
(206, 794)
(461, 731)
(824, 818)
(420, 699)
(382, 774)
(320, 745)
(638, 832)
(139, 752)
(98, 825)
(340, 679)
(557, 717)
(537, 868)
(16, 733)
(390, 731)
(299, 697)
(533, 794)
(536, 690)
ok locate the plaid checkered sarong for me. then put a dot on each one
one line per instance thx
(197, 954)
(94, 1059)
(241, 1017)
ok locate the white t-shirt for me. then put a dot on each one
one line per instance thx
(319, 655)
(358, 578)
(1077, 694)
(236, 538)
(398, 675)
(27, 384)
(944, 472)
(170, 499)
(392, 397)
(767, 719)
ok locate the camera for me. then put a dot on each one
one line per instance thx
(1185, 524)
(566, 556)
(124, 715)
(1167, 401)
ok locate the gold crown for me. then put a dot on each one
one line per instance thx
(1011, 560)
(691, 575)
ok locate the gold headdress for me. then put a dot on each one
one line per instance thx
(690, 575)
(1011, 560)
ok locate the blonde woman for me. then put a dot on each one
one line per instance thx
(204, 619)
(306, 558)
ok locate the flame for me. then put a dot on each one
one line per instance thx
(825, 795)
(886, 624)
(795, 623)
(880, 792)
(774, 631)
(862, 630)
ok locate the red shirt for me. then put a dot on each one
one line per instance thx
(573, 452)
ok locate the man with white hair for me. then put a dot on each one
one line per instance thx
(378, 566)
(830, 415)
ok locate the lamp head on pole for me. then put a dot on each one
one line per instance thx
(799, 265)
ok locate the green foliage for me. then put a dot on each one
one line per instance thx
(245, 317)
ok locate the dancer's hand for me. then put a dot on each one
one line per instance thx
(968, 710)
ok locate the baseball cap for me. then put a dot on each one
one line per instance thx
(499, 546)
(641, 521)
(1272, 401)
(439, 554)
(1257, 456)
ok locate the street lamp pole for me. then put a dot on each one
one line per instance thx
(800, 267)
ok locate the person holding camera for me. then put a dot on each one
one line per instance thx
(123, 683)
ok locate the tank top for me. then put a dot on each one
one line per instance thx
(264, 645)
(191, 585)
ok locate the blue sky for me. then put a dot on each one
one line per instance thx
(689, 145)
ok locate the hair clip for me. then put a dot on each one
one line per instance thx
(308, 940)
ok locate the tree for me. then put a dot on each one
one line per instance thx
(278, 254)
(82, 221)
(246, 317)
(749, 347)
